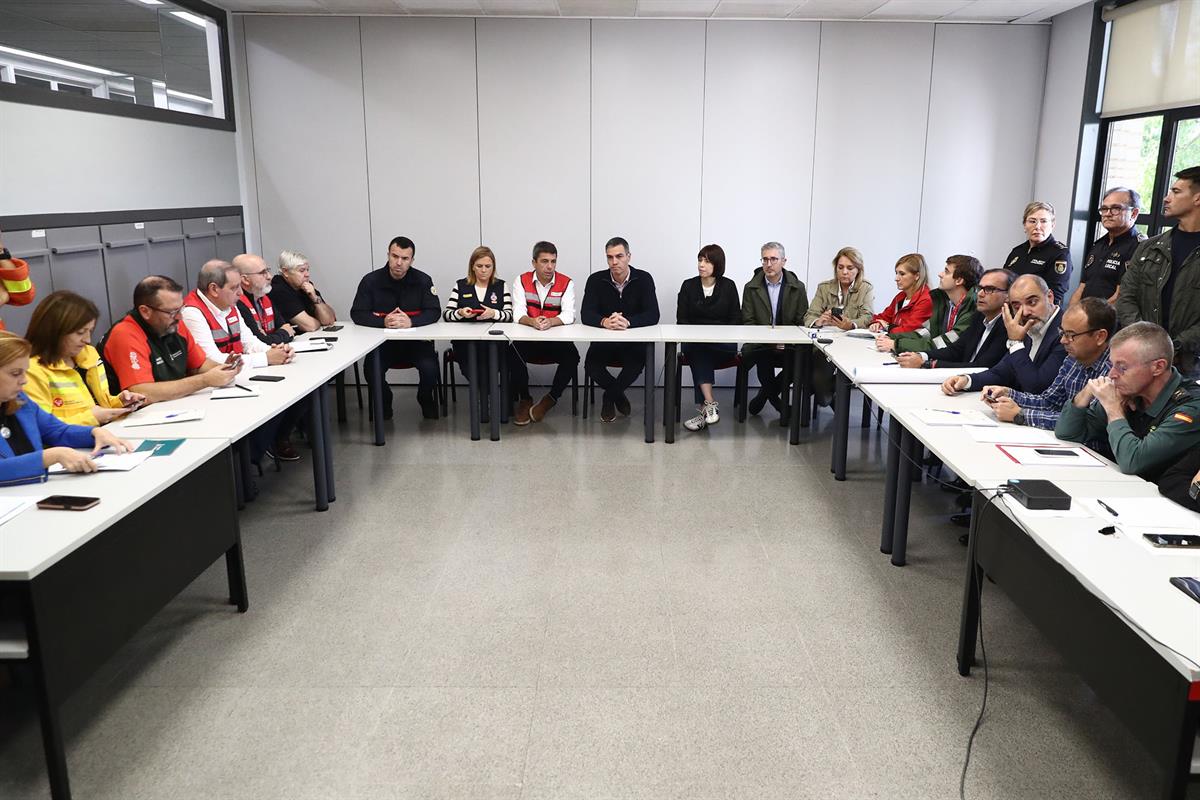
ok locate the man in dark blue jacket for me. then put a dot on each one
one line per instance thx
(400, 296)
(1035, 348)
(617, 299)
(983, 342)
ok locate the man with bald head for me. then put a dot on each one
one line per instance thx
(255, 306)
(1033, 324)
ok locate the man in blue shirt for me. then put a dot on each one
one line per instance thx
(1086, 328)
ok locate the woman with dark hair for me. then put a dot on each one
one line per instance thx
(32, 441)
(66, 376)
(707, 299)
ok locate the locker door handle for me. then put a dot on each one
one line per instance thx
(230, 232)
(31, 253)
(201, 235)
(125, 243)
(75, 248)
(160, 239)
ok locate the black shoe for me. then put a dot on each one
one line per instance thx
(956, 485)
(775, 403)
(623, 407)
(608, 411)
(963, 538)
(961, 520)
(387, 413)
(756, 405)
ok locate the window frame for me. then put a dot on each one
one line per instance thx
(1151, 217)
(29, 95)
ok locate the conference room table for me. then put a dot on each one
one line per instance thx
(848, 354)
(801, 339)
(83, 582)
(577, 333)
(1105, 601)
(236, 417)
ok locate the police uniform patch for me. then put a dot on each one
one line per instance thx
(1060, 267)
(1091, 258)
(1013, 261)
(1179, 415)
(433, 290)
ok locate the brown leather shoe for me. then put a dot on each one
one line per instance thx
(539, 411)
(521, 416)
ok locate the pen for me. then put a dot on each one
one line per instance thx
(889, 363)
(243, 388)
(1107, 507)
(173, 415)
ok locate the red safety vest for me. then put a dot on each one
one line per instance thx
(533, 303)
(227, 341)
(266, 321)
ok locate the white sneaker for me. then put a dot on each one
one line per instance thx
(710, 413)
(696, 423)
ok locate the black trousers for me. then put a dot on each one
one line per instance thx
(422, 356)
(564, 354)
(704, 358)
(765, 360)
(631, 358)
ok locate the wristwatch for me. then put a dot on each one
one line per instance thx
(4, 254)
(1019, 419)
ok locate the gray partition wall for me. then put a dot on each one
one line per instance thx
(103, 256)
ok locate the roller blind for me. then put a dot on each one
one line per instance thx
(1153, 57)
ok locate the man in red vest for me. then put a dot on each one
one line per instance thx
(211, 317)
(258, 313)
(549, 301)
(15, 287)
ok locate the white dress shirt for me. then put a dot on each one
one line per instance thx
(254, 350)
(567, 314)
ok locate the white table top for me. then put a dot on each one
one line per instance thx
(516, 332)
(439, 331)
(755, 334)
(849, 353)
(36, 539)
(1124, 571)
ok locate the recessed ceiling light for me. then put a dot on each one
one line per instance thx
(151, 2)
(62, 62)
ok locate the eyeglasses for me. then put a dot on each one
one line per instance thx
(1121, 369)
(266, 271)
(771, 260)
(1070, 336)
(1113, 210)
(1033, 221)
(992, 290)
(168, 311)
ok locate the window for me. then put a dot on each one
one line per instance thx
(1143, 153)
(153, 59)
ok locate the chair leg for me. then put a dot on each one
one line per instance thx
(866, 412)
(575, 395)
(679, 389)
(445, 377)
(370, 400)
(587, 388)
(358, 386)
(454, 383)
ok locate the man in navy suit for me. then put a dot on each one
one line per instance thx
(1035, 348)
(983, 342)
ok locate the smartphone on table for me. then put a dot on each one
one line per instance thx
(67, 502)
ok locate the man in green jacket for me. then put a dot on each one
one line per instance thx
(953, 310)
(1161, 282)
(1146, 411)
(774, 296)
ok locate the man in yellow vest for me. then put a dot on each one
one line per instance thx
(15, 287)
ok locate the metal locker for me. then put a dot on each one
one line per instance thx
(230, 239)
(126, 261)
(77, 265)
(34, 250)
(199, 245)
(167, 256)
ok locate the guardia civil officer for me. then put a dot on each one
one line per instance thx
(1041, 254)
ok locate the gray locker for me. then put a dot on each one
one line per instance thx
(167, 256)
(24, 245)
(199, 245)
(230, 239)
(76, 264)
(126, 261)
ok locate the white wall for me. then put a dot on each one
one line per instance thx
(888, 136)
(1059, 134)
(55, 160)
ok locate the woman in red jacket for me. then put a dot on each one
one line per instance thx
(912, 307)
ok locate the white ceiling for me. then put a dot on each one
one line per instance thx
(1023, 11)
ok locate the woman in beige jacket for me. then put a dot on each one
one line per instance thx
(847, 301)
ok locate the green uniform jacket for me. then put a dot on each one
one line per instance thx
(933, 335)
(1141, 292)
(756, 303)
(859, 308)
(1177, 408)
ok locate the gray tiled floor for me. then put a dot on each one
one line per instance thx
(575, 614)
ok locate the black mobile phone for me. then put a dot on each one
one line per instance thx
(1172, 539)
(495, 332)
(835, 312)
(267, 378)
(332, 328)
(1189, 586)
(1045, 451)
(1194, 490)
(326, 338)
(67, 502)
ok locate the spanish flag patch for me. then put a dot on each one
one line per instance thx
(1184, 418)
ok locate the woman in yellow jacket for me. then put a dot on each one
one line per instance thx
(66, 375)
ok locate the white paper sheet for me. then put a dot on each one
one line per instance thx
(1012, 434)
(111, 462)
(310, 346)
(158, 416)
(1147, 513)
(10, 507)
(236, 391)
(898, 374)
(1061, 455)
(942, 416)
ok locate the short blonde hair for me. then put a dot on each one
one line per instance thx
(291, 260)
(1037, 205)
(856, 258)
(480, 252)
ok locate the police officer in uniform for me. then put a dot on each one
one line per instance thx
(397, 295)
(1041, 254)
(1110, 254)
(1148, 414)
